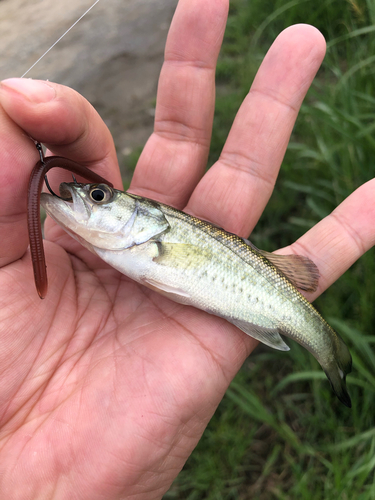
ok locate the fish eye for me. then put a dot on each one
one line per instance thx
(101, 193)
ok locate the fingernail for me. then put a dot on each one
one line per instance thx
(36, 91)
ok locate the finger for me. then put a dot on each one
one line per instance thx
(341, 238)
(236, 189)
(175, 156)
(59, 117)
(63, 120)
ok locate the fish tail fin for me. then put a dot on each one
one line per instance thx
(338, 370)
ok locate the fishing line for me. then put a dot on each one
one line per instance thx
(62, 36)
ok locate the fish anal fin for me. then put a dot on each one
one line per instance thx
(268, 336)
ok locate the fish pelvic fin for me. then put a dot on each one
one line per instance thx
(337, 372)
(268, 336)
(167, 290)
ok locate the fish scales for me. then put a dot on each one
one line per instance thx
(197, 263)
(261, 285)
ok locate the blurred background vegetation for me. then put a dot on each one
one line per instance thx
(280, 433)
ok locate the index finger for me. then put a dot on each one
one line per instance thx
(58, 117)
(63, 120)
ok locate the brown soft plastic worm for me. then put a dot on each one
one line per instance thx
(33, 211)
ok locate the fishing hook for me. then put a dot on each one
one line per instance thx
(39, 147)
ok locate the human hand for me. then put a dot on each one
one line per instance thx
(106, 386)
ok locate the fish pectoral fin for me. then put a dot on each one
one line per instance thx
(167, 290)
(300, 270)
(268, 336)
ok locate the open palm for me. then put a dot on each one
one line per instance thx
(106, 387)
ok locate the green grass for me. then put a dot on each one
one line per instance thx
(280, 433)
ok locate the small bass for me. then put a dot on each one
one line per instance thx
(194, 262)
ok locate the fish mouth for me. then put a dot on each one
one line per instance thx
(65, 192)
(73, 194)
(70, 210)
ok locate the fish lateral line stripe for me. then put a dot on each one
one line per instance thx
(228, 240)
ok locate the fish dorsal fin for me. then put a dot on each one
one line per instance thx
(300, 270)
(268, 336)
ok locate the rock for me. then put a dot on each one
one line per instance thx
(112, 56)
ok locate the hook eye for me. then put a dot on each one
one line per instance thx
(100, 194)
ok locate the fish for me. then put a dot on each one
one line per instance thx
(197, 263)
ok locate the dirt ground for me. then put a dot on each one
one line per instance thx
(112, 56)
